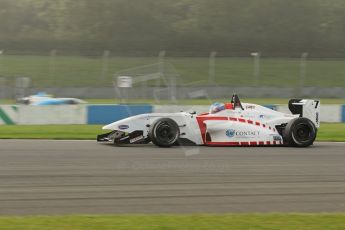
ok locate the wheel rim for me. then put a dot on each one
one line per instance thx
(165, 133)
(302, 132)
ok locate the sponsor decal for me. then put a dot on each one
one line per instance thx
(138, 138)
(250, 107)
(230, 132)
(261, 116)
(122, 127)
(124, 138)
(241, 134)
(277, 138)
(317, 118)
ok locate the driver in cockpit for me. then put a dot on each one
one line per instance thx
(217, 107)
(235, 103)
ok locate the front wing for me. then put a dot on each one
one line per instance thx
(119, 137)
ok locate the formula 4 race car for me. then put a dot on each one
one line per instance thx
(229, 124)
(42, 98)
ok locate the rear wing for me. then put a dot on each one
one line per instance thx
(306, 108)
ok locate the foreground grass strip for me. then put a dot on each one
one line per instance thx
(327, 132)
(183, 222)
(64, 132)
(331, 132)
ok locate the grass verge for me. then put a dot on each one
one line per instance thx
(185, 222)
(327, 132)
(56, 132)
(331, 132)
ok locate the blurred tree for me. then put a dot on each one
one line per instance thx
(275, 27)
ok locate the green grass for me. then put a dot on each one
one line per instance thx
(183, 222)
(7, 102)
(327, 132)
(66, 132)
(88, 71)
(331, 132)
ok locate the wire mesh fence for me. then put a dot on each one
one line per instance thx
(170, 77)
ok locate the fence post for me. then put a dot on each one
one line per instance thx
(2, 80)
(302, 73)
(2, 88)
(105, 64)
(22, 84)
(161, 60)
(1, 54)
(256, 69)
(52, 66)
(212, 68)
(173, 93)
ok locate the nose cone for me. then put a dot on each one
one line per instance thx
(112, 126)
(127, 124)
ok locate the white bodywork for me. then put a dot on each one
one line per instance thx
(252, 125)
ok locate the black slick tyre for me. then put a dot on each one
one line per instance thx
(164, 132)
(300, 132)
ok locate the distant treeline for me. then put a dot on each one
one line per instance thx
(182, 27)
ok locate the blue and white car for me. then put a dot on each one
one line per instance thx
(45, 99)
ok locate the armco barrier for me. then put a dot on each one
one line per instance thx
(328, 113)
(52, 114)
(178, 108)
(189, 108)
(105, 114)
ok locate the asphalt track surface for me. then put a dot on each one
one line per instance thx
(69, 177)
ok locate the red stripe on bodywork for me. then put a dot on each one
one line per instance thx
(224, 143)
(202, 126)
(202, 117)
(203, 114)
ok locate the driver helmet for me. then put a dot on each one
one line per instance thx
(216, 107)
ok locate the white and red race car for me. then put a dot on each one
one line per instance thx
(229, 124)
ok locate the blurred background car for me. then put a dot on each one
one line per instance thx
(45, 99)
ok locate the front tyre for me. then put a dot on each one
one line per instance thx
(164, 132)
(300, 132)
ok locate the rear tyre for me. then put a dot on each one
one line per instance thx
(164, 132)
(300, 132)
